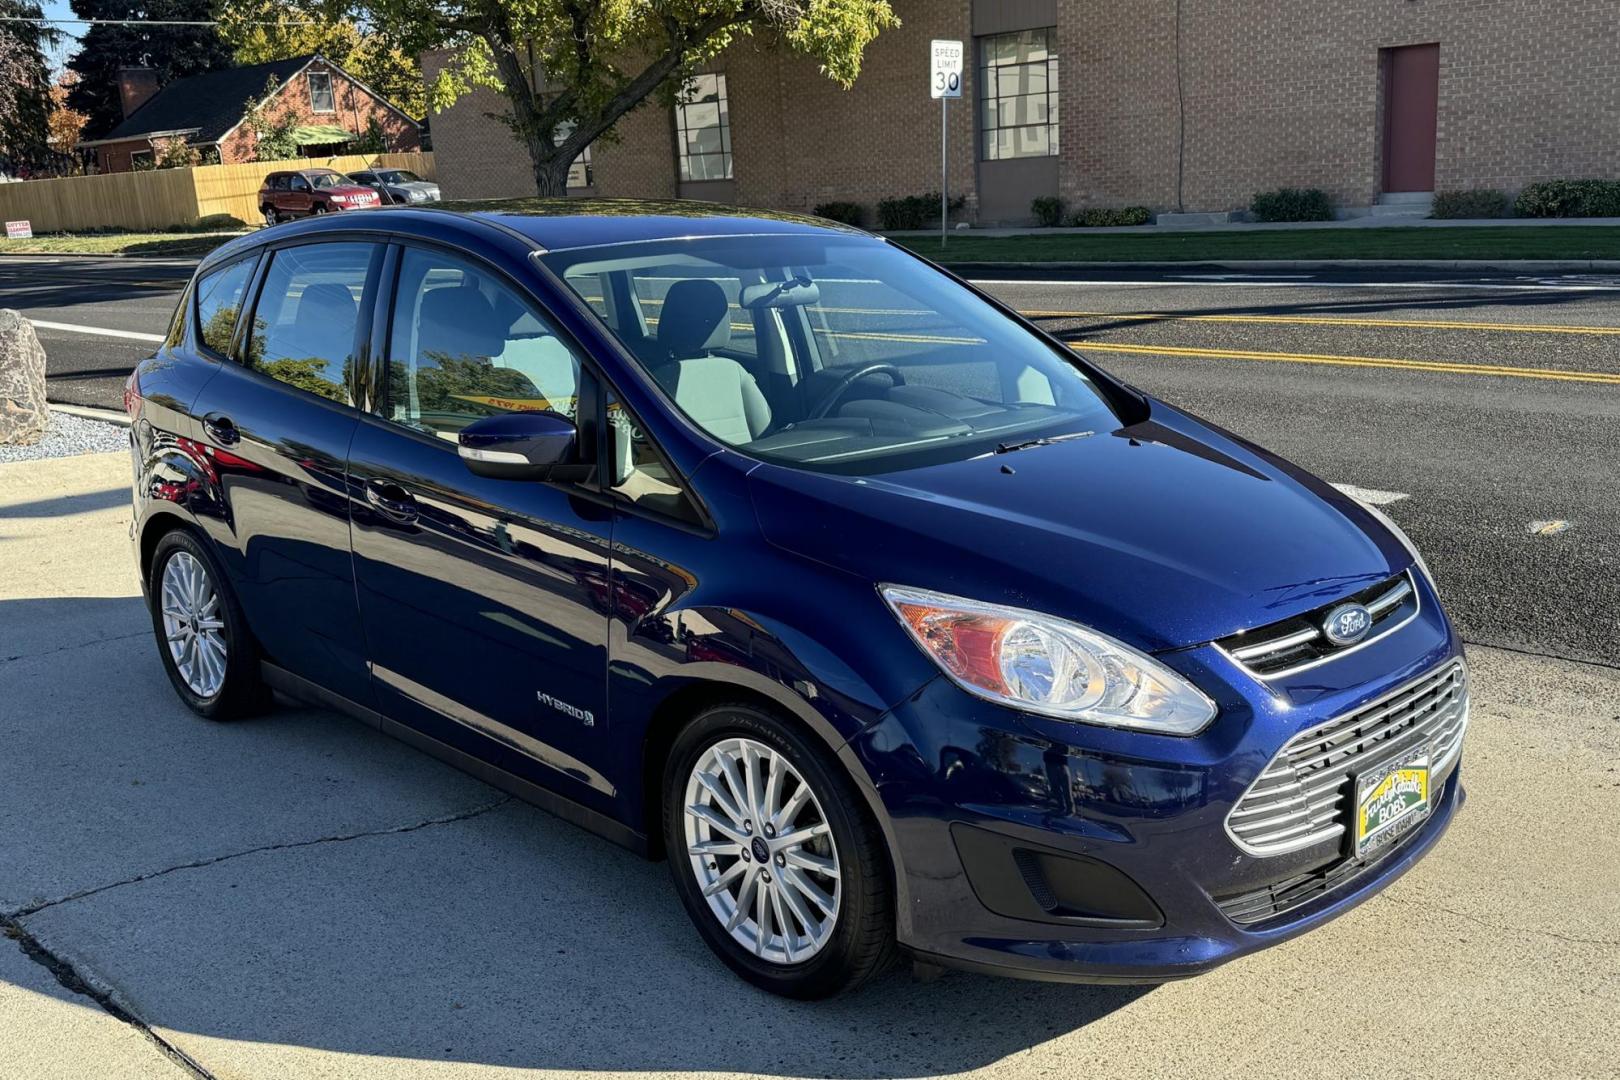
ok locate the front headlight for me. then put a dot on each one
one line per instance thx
(1046, 665)
(1400, 534)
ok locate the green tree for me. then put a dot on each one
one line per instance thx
(262, 30)
(273, 134)
(571, 69)
(25, 86)
(174, 51)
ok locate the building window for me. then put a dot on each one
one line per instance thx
(703, 127)
(320, 92)
(1018, 95)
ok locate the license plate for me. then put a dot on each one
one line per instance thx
(1390, 802)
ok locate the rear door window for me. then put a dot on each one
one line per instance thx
(306, 325)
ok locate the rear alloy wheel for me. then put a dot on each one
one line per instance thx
(201, 634)
(271, 217)
(778, 866)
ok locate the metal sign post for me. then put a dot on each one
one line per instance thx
(945, 82)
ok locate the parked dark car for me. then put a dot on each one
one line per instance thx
(759, 543)
(307, 192)
(398, 187)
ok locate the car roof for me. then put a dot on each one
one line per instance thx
(551, 224)
(559, 224)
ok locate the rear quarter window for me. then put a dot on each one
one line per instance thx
(219, 303)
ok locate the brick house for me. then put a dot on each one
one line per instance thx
(331, 107)
(1194, 105)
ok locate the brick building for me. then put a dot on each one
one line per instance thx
(330, 108)
(1191, 105)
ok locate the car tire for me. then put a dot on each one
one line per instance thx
(202, 636)
(825, 932)
(271, 217)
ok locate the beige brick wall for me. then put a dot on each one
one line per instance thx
(1277, 93)
(799, 139)
(1289, 94)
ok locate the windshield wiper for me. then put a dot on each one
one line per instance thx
(1008, 448)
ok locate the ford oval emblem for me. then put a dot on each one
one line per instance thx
(1347, 624)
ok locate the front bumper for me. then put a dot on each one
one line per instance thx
(1047, 850)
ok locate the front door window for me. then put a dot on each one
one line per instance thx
(465, 346)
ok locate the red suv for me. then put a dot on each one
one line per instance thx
(311, 191)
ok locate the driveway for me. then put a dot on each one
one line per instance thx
(298, 896)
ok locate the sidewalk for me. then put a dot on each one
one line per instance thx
(297, 896)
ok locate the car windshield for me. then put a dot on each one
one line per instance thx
(399, 176)
(831, 352)
(327, 179)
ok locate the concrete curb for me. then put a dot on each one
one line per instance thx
(90, 412)
(99, 255)
(1520, 266)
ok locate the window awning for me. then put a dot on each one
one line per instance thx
(321, 134)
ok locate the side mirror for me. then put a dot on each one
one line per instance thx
(520, 446)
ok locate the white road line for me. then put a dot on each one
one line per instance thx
(1169, 283)
(1372, 495)
(102, 331)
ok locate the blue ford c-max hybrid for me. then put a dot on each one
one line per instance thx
(758, 543)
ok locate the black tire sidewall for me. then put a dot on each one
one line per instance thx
(242, 693)
(866, 897)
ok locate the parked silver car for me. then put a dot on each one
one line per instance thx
(398, 186)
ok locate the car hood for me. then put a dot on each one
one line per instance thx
(416, 185)
(348, 189)
(1163, 534)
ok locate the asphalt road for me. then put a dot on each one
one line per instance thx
(1489, 405)
(299, 896)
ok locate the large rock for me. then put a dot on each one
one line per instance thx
(23, 412)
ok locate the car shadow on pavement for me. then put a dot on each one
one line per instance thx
(268, 892)
(67, 505)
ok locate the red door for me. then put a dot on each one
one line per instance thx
(1411, 108)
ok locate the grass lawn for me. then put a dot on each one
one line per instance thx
(1484, 242)
(114, 243)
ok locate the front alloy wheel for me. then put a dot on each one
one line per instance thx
(775, 855)
(760, 846)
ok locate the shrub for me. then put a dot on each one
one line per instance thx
(1292, 204)
(1047, 210)
(1570, 198)
(850, 213)
(1477, 203)
(913, 211)
(1097, 217)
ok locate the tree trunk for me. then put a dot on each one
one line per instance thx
(550, 163)
(550, 172)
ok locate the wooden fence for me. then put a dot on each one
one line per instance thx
(165, 198)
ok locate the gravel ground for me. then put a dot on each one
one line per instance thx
(69, 435)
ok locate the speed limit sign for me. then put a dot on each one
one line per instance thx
(945, 80)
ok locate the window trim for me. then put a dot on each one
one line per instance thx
(331, 92)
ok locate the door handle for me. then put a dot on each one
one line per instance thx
(221, 429)
(391, 500)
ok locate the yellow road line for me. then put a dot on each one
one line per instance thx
(1329, 320)
(1437, 366)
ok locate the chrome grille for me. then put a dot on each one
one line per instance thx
(1302, 798)
(1298, 643)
